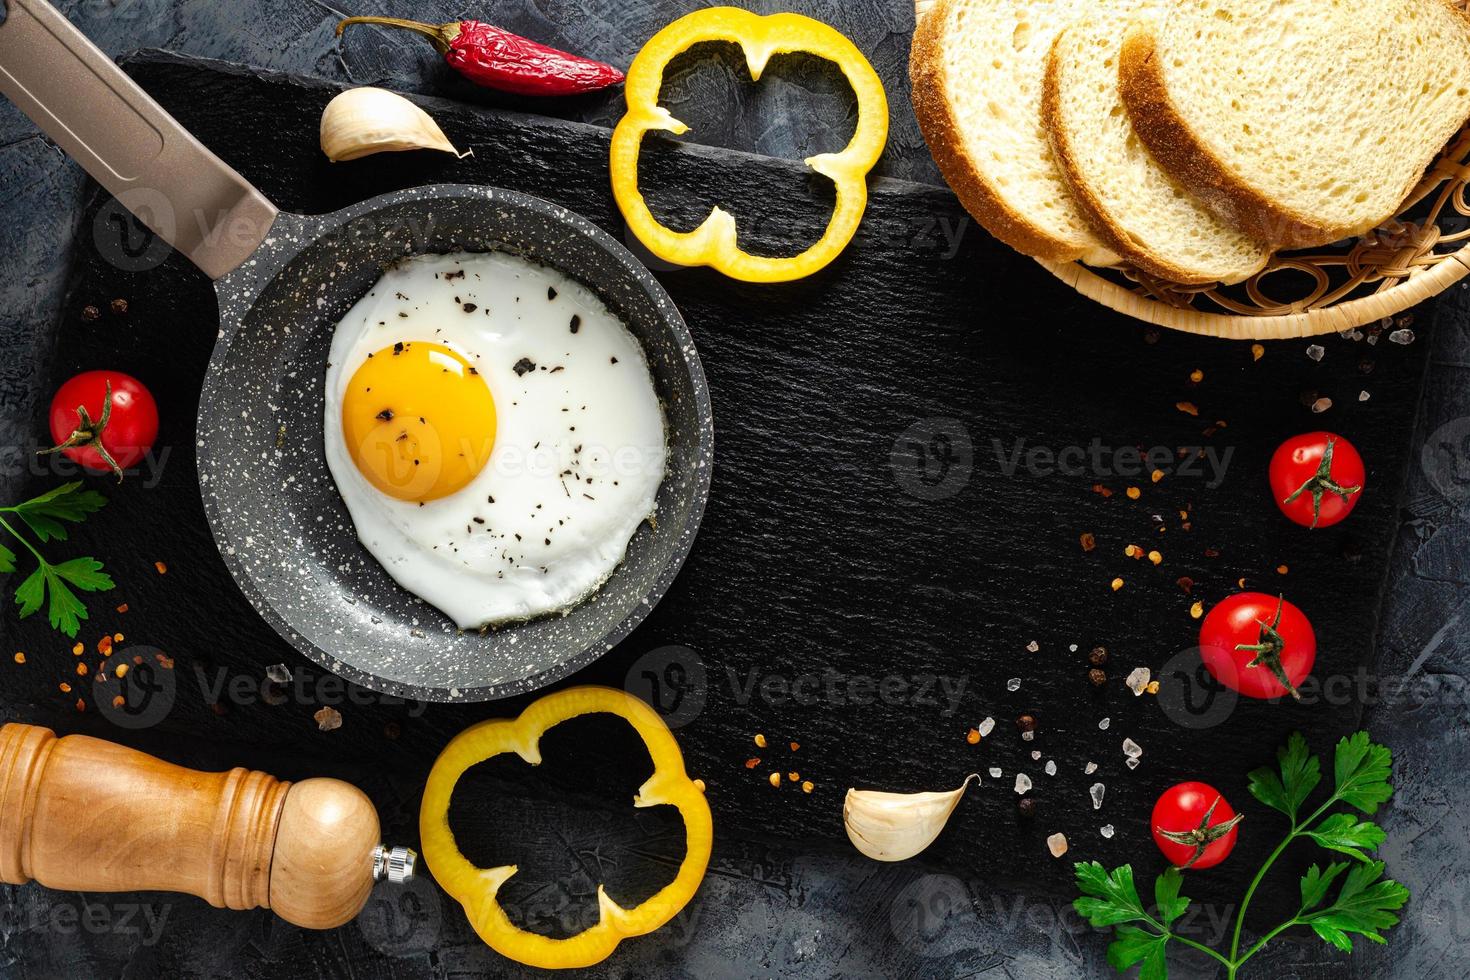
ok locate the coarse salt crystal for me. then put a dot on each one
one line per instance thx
(1027, 736)
(1321, 405)
(1105, 723)
(995, 772)
(1132, 761)
(1035, 755)
(1014, 684)
(1051, 767)
(1057, 844)
(1363, 396)
(1138, 680)
(1023, 783)
(1072, 647)
(1401, 337)
(1090, 768)
(1096, 791)
(1106, 830)
(1131, 748)
(1033, 646)
(1315, 352)
(986, 727)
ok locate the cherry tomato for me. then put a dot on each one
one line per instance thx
(1316, 478)
(1194, 826)
(104, 420)
(1258, 644)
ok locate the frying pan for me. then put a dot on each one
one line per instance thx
(283, 281)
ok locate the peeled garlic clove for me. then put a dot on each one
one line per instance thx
(896, 826)
(363, 121)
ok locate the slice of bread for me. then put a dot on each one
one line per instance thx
(977, 69)
(1301, 122)
(1137, 209)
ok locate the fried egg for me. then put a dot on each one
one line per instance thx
(494, 432)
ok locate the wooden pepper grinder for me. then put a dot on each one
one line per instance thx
(82, 814)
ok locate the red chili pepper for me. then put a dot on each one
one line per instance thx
(491, 56)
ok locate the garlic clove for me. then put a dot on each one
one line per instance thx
(363, 121)
(896, 826)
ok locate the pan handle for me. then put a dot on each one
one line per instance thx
(81, 99)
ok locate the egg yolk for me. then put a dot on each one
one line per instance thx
(419, 421)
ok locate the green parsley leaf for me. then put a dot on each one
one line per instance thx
(68, 502)
(45, 515)
(32, 593)
(1361, 769)
(1134, 945)
(1316, 882)
(1166, 895)
(1113, 897)
(1364, 905)
(1343, 832)
(86, 574)
(1300, 774)
(66, 611)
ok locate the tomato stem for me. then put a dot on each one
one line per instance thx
(1204, 835)
(88, 433)
(1268, 650)
(1321, 483)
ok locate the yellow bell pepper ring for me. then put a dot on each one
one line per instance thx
(476, 888)
(714, 242)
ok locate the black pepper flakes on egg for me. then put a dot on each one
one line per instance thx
(523, 365)
(576, 323)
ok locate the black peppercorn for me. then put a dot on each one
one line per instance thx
(119, 306)
(1027, 807)
(90, 313)
(1098, 656)
(1098, 677)
(1026, 723)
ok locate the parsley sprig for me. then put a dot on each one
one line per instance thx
(47, 516)
(1365, 903)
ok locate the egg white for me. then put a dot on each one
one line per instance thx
(580, 446)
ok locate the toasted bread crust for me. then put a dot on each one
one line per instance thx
(942, 132)
(1113, 234)
(1174, 145)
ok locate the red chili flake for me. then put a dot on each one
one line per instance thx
(1188, 408)
(123, 608)
(161, 567)
(1101, 490)
(1186, 583)
(1088, 541)
(752, 763)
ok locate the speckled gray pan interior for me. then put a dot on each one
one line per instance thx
(275, 512)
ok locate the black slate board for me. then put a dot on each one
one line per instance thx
(830, 548)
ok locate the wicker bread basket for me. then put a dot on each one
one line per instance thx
(1412, 257)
